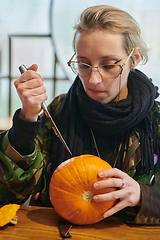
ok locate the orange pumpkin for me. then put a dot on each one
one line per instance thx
(71, 190)
(7, 213)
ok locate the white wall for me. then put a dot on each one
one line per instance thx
(32, 17)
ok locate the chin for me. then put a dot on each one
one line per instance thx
(99, 99)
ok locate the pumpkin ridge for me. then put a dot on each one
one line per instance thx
(67, 166)
(77, 172)
(84, 164)
(64, 179)
(94, 209)
(60, 189)
(86, 167)
(71, 175)
(72, 216)
(87, 212)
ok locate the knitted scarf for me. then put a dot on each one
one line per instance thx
(138, 113)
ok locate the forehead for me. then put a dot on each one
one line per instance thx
(101, 41)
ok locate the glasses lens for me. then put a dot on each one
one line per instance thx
(110, 71)
(84, 70)
(80, 69)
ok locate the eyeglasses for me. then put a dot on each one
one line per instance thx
(106, 70)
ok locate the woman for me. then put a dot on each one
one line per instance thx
(109, 111)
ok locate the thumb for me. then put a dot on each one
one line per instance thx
(33, 67)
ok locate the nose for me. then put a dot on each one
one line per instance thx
(95, 77)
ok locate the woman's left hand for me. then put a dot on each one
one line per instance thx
(128, 190)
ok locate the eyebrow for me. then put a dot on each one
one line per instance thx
(118, 61)
(110, 56)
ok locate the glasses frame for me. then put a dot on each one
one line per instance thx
(121, 66)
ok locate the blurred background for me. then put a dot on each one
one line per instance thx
(41, 31)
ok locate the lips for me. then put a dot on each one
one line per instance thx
(96, 91)
(97, 95)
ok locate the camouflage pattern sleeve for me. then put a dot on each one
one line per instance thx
(149, 212)
(19, 174)
(16, 182)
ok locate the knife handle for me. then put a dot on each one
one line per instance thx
(23, 69)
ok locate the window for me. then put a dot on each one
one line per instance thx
(41, 32)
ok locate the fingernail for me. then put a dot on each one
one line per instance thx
(105, 215)
(95, 198)
(95, 185)
(101, 174)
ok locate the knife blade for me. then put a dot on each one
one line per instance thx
(64, 228)
(23, 69)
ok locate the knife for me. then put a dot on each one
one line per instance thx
(23, 69)
(64, 228)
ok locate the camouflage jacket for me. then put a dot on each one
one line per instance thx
(25, 175)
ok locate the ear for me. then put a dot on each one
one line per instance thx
(136, 57)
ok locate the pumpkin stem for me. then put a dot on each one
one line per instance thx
(87, 196)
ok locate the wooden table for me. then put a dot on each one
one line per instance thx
(41, 223)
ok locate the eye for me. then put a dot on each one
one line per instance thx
(83, 65)
(107, 67)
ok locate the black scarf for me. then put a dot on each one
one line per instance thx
(139, 112)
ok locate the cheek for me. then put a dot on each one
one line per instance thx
(111, 84)
(85, 81)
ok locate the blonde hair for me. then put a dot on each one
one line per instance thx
(104, 17)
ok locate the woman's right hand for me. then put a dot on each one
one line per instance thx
(32, 93)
